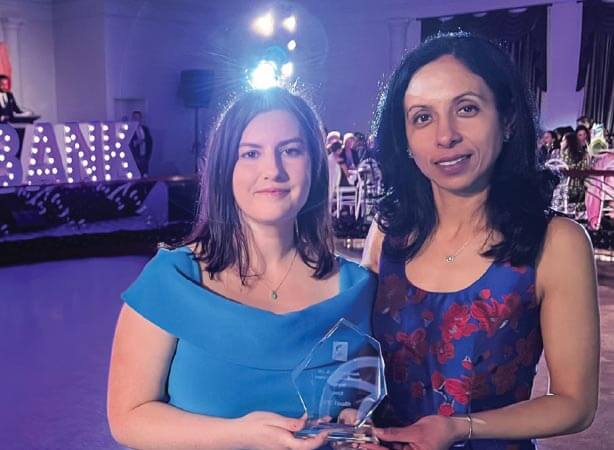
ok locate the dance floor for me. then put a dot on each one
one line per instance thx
(56, 326)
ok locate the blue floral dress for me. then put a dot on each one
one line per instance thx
(457, 352)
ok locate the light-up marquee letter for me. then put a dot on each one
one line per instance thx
(118, 160)
(10, 166)
(40, 156)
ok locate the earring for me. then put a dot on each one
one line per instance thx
(507, 135)
(296, 227)
(410, 153)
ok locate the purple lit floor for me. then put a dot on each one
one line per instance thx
(56, 326)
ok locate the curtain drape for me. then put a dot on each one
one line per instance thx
(596, 70)
(523, 34)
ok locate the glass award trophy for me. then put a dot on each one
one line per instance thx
(343, 375)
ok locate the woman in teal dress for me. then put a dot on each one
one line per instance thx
(210, 331)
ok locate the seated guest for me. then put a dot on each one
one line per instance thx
(562, 131)
(351, 157)
(141, 144)
(548, 144)
(585, 121)
(576, 157)
(584, 136)
(8, 105)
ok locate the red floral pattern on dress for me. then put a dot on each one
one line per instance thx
(445, 409)
(526, 348)
(428, 317)
(391, 296)
(415, 344)
(490, 314)
(453, 353)
(444, 351)
(512, 301)
(504, 377)
(437, 381)
(467, 363)
(456, 323)
(417, 389)
(416, 296)
(459, 389)
(480, 387)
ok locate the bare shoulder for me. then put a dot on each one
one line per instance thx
(373, 248)
(564, 236)
(567, 254)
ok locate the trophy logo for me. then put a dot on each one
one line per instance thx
(340, 351)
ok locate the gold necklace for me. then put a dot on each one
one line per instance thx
(274, 294)
(452, 257)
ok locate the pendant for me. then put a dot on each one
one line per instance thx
(273, 295)
(450, 258)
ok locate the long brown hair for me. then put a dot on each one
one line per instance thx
(220, 239)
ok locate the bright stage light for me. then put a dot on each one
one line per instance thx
(264, 25)
(287, 70)
(291, 45)
(264, 76)
(289, 23)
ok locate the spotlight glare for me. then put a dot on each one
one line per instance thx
(287, 70)
(264, 25)
(264, 76)
(291, 45)
(289, 23)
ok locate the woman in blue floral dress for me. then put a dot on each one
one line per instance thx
(475, 277)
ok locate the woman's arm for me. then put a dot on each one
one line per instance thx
(567, 286)
(373, 248)
(140, 418)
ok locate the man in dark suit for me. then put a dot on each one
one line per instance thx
(8, 105)
(141, 144)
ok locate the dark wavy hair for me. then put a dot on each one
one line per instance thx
(520, 192)
(220, 239)
(586, 130)
(576, 151)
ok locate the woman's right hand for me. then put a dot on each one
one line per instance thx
(268, 431)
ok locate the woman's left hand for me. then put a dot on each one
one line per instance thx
(428, 433)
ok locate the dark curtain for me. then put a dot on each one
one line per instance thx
(596, 71)
(522, 34)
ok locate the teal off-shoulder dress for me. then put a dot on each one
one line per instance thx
(233, 359)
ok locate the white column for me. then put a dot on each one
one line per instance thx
(397, 38)
(11, 26)
(561, 104)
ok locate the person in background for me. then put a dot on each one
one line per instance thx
(334, 149)
(210, 331)
(584, 136)
(575, 155)
(475, 276)
(350, 155)
(8, 104)
(562, 131)
(141, 144)
(360, 147)
(548, 144)
(585, 121)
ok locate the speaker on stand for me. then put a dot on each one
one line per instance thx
(195, 89)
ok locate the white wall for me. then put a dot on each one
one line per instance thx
(80, 59)
(36, 55)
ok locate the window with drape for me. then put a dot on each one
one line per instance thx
(596, 70)
(522, 33)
